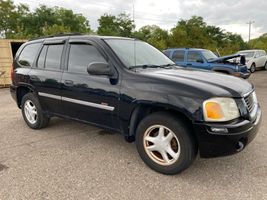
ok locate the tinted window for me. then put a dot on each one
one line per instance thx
(53, 56)
(81, 55)
(167, 53)
(41, 59)
(28, 54)
(194, 57)
(178, 55)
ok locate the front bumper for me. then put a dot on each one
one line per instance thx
(240, 134)
(242, 75)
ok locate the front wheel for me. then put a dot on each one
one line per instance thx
(165, 143)
(253, 68)
(265, 66)
(32, 112)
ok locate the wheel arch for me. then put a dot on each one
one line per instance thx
(143, 110)
(21, 91)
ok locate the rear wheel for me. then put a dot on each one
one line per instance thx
(253, 68)
(165, 143)
(265, 66)
(32, 112)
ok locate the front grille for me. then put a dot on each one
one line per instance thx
(251, 101)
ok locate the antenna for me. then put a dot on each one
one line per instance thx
(134, 47)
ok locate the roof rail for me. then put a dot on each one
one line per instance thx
(56, 35)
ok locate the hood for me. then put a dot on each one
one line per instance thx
(224, 58)
(202, 83)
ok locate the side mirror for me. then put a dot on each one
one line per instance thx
(99, 68)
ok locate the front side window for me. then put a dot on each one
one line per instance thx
(28, 54)
(81, 55)
(178, 55)
(194, 57)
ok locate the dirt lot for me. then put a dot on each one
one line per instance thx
(69, 160)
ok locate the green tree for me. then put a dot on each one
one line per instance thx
(154, 35)
(18, 22)
(120, 25)
(11, 16)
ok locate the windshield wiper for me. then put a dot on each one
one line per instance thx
(168, 65)
(151, 66)
(144, 66)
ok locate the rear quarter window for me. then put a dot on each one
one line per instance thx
(28, 54)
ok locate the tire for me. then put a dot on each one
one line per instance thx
(182, 143)
(32, 112)
(253, 68)
(265, 66)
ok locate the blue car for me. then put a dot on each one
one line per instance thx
(207, 60)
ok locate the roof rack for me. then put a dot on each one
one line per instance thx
(56, 35)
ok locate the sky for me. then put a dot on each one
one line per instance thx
(230, 15)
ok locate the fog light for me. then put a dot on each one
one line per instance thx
(219, 130)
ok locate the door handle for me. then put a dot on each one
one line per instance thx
(68, 83)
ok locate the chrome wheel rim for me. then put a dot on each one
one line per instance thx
(161, 145)
(30, 112)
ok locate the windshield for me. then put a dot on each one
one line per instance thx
(138, 53)
(247, 54)
(209, 55)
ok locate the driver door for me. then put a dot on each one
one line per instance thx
(90, 98)
(195, 60)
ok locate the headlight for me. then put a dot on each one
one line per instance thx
(220, 109)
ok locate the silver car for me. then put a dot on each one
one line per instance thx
(255, 59)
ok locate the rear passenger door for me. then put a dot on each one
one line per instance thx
(47, 74)
(195, 60)
(87, 97)
(178, 56)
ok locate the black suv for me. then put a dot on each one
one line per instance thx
(130, 87)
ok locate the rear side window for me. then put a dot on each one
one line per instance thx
(81, 55)
(41, 59)
(50, 56)
(53, 56)
(194, 57)
(28, 54)
(178, 55)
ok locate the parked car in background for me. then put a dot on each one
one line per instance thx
(255, 59)
(207, 60)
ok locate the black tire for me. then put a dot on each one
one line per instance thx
(265, 66)
(188, 147)
(253, 68)
(41, 119)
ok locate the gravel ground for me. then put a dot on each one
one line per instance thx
(70, 160)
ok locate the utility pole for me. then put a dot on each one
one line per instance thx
(249, 29)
